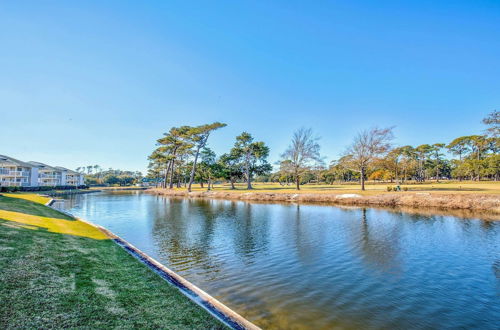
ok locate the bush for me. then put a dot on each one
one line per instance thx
(405, 188)
(41, 188)
(389, 188)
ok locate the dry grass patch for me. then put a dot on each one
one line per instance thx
(475, 201)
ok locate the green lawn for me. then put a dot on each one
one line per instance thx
(49, 279)
(20, 203)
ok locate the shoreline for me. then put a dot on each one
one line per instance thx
(67, 192)
(218, 310)
(470, 203)
(63, 261)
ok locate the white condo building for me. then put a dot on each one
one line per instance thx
(16, 173)
(47, 175)
(69, 177)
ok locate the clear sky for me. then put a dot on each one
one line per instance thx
(97, 82)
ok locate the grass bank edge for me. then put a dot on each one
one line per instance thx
(487, 206)
(213, 307)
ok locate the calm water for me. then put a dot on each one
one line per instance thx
(317, 267)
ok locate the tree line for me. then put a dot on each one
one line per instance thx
(183, 157)
(96, 175)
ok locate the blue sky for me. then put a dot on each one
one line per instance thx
(97, 82)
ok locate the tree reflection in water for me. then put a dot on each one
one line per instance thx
(380, 245)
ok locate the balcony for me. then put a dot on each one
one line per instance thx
(49, 181)
(5, 172)
(49, 176)
(13, 184)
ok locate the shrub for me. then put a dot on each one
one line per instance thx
(405, 188)
(389, 188)
(41, 188)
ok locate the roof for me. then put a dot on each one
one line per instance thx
(12, 161)
(67, 170)
(43, 166)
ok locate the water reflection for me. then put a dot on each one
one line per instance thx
(379, 248)
(321, 267)
(184, 243)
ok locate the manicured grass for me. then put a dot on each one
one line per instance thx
(53, 280)
(30, 197)
(27, 204)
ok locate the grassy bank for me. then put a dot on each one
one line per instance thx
(56, 271)
(454, 196)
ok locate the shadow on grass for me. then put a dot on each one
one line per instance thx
(29, 207)
(53, 280)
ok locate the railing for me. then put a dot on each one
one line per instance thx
(75, 179)
(49, 176)
(14, 173)
(49, 183)
(21, 173)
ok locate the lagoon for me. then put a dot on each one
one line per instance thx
(316, 266)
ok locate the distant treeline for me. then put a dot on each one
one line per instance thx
(95, 175)
(182, 157)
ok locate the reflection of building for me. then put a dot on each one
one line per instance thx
(15, 173)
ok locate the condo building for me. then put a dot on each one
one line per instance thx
(47, 175)
(16, 173)
(69, 177)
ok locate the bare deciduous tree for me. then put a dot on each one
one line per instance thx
(367, 146)
(302, 153)
(493, 122)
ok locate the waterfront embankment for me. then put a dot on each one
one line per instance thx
(58, 271)
(452, 201)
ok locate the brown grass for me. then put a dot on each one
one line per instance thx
(442, 187)
(419, 200)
